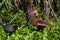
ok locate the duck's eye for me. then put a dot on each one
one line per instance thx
(35, 14)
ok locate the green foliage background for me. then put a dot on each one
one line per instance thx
(24, 31)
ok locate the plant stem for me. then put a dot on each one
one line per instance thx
(13, 18)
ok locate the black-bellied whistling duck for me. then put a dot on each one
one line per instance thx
(33, 17)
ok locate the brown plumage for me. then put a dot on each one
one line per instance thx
(33, 17)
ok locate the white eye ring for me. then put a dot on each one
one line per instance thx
(35, 12)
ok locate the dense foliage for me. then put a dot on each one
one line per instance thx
(25, 31)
